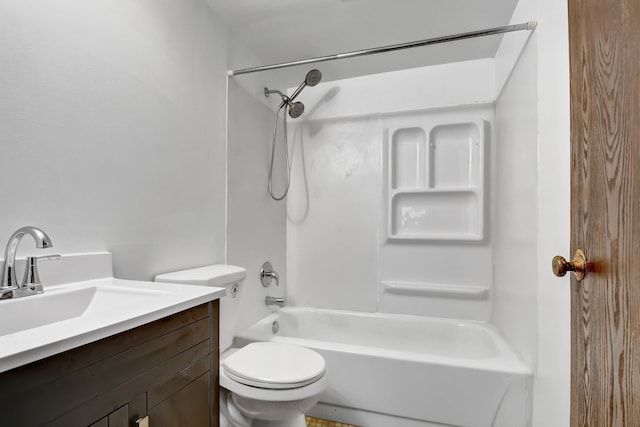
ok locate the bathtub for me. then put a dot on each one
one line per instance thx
(406, 371)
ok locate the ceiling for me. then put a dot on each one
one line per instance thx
(287, 30)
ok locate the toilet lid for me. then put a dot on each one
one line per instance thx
(274, 365)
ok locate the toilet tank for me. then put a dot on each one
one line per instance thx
(225, 276)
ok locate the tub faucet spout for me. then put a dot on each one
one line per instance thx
(275, 301)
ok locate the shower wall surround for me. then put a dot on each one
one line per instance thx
(435, 253)
(388, 206)
(252, 238)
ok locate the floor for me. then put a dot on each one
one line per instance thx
(317, 422)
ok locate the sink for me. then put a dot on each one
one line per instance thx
(67, 303)
(82, 303)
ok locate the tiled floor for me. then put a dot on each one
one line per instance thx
(317, 422)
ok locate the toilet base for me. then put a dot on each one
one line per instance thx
(295, 422)
(231, 416)
(298, 421)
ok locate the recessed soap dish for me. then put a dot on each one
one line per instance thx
(436, 181)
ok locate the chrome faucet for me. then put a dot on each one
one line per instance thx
(267, 274)
(9, 286)
(279, 301)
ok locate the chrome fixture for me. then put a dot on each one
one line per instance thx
(531, 25)
(267, 274)
(31, 278)
(279, 301)
(9, 286)
(296, 109)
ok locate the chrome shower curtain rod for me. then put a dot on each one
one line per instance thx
(390, 48)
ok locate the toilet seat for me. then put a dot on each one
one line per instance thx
(272, 395)
(274, 366)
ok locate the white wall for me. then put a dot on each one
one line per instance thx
(332, 242)
(240, 56)
(255, 222)
(113, 129)
(443, 85)
(515, 214)
(552, 378)
(532, 307)
(337, 248)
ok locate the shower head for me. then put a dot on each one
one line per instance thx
(296, 109)
(313, 77)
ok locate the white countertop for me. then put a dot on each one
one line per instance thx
(95, 309)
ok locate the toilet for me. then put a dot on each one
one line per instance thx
(264, 384)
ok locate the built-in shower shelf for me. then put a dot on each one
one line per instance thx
(436, 182)
(437, 290)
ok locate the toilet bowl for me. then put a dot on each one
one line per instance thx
(263, 384)
(273, 382)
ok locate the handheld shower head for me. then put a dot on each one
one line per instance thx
(296, 109)
(313, 77)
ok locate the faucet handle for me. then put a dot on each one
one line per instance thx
(267, 274)
(31, 277)
(46, 257)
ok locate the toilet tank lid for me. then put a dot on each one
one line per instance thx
(210, 275)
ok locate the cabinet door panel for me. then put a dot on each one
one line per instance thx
(188, 407)
(178, 382)
(119, 417)
(102, 422)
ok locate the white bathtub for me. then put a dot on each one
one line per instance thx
(406, 371)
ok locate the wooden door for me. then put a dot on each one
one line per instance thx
(604, 47)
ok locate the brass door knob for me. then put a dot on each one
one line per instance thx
(578, 265)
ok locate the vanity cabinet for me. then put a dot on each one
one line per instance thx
(166, 370)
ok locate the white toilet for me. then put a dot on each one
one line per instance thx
(263, 384)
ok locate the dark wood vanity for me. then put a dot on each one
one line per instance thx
(166, 370)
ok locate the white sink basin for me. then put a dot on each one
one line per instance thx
(65, 303)
(69, 315)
